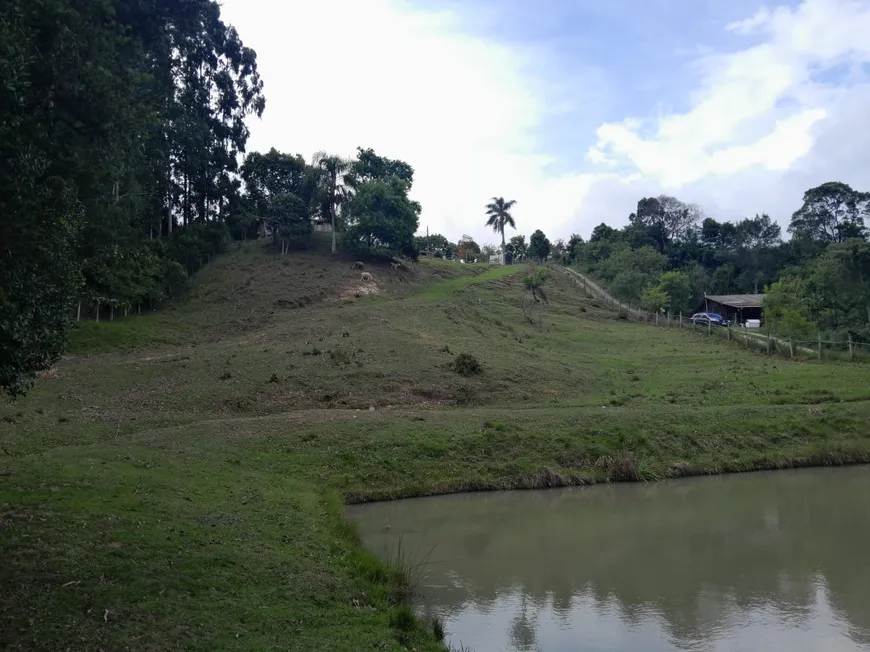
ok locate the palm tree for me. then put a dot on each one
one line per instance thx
(332, 189)
(500, 216)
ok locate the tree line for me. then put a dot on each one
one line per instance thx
(123, 127)
(670, 254)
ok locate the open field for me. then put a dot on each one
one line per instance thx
(176, 482)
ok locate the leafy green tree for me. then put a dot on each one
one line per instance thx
(839, 283)
(466, 246)
(678, 288)
(535, 296)
(289, 219)
(573, 248)
(282, 190)
(539, 246)
(785, 309)
(832, 212)
(488, 250)
(603, 232)
(368, 166)
(383, 219)
(628, 272)
(654, 298)
(517, 248)
(435, 243)
(39, 279)
(499, 216)
(665, 219)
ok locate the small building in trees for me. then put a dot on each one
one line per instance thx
(735, 307)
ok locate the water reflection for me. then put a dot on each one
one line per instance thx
(758, 561)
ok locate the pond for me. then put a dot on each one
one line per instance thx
(761, 561)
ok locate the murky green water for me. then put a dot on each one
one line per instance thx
(766, 561)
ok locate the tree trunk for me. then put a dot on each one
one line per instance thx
(168, 202)
(79, 312)
(332, 215)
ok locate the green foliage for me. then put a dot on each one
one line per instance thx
(499, 216)
(368, 166)
(654, 298)
(39, 280)
(121, 124)
(438, 628)
(839, 285)
(382, 219)
(668, 247)
(436, 244)
(785, 309)
(402, 618)
(676, 286)
(290, 220)
(466, 364)
(539, 246)
(664, 219)
(628, 272)
(832, 212)
(466, 248)
(517, 248)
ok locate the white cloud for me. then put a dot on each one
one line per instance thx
(375, 73)
(757, 108)
(749, 25)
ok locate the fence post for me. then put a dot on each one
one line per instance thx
(681, 320)
(709, 327)
(728, 328)
(820, 345)
(669, 319)
(746, 340)
(657, 317)
(791, 347)
(769, 340)
(850, 348)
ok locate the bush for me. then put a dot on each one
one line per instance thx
(466, 365)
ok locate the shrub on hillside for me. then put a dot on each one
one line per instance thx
(466, 365)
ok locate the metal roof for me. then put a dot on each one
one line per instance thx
(738, 300)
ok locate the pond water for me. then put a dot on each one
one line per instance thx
(762, 561)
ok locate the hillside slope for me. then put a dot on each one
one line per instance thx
(176, 481)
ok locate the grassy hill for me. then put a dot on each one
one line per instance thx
(177, 481)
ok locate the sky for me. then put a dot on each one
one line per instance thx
(576, 109)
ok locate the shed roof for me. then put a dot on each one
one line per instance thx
(738, 300)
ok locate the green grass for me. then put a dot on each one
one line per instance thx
(483, 273)
(126, 333)
(180, 486)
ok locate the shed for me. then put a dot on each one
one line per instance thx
(735, 307)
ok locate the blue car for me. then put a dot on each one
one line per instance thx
(712, 318)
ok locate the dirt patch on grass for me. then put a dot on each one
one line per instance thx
(356, 291)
